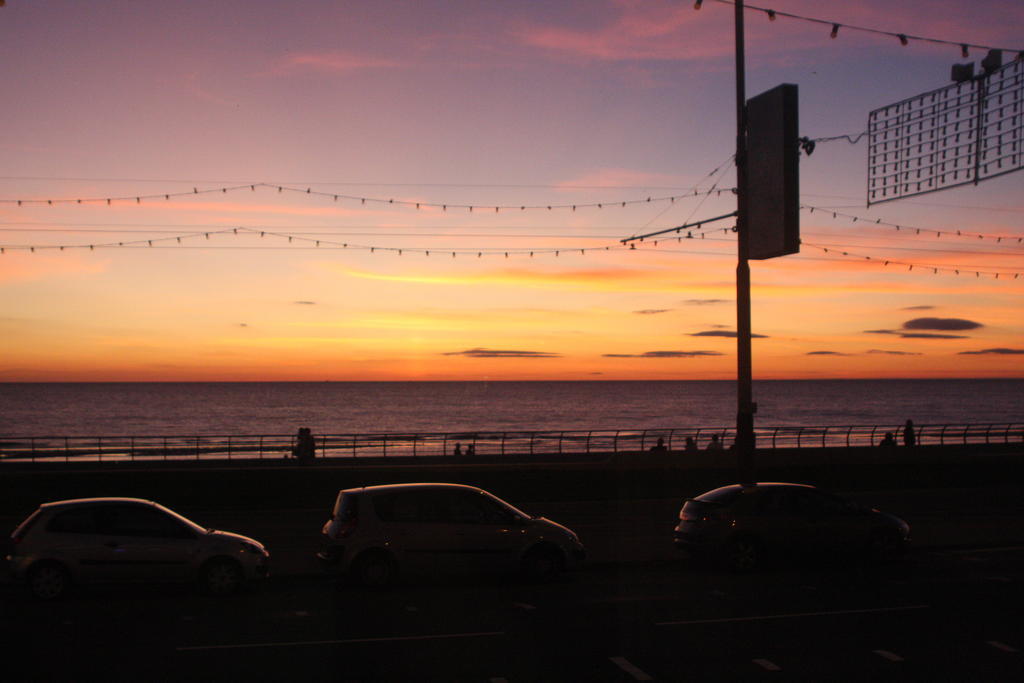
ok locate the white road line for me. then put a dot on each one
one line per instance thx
(630, 668)
(499, 680)
(350, 641)
(1001, 646)
(971, 551)
(767, 665)
(795, 615)
(523, 605)
(301, 613)
(885, 654)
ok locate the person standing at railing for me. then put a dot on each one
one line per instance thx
(909, 437)
(305, 446)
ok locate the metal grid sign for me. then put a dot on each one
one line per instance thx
(952, 136)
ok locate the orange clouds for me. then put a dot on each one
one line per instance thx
(28, 267)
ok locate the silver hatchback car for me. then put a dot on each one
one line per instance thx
(127, 539)
(376, 531)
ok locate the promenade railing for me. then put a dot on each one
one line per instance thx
(14, 449)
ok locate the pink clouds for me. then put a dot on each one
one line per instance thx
(621, 177)
(674, 31)
(334, 62)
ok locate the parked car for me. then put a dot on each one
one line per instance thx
(127, 539)
(744, 524)
(377, 531)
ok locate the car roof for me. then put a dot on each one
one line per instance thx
(761, 485)
(93, 501)
(386, 488)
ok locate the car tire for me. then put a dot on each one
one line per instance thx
(541, 563)
(744, 554)
(375, 569)
(221, 577)
(885, 545)
(48, 581)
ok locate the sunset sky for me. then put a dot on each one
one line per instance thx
(484, 104)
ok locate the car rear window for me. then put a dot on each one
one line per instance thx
(723, 496)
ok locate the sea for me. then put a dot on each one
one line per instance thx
(279, 408)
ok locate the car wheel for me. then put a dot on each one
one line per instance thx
(375, 570)
(744, 554)
(541, 563)
(221, 577)
(48, 581)
(885, 545)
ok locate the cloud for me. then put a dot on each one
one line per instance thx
(496, 353)
(826, 353)
(705, 302)
(663, 354)
(334, 62)
(917, 335)
(595, 279)
(652, 311)
(23, 267)
(917, 308)
(621, 177)
(305, 303)
(999, 351)
(895, 353)
(943, 324)
(724, 333)
(929, 335)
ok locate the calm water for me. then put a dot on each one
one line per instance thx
(360, 407)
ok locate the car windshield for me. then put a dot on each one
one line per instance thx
(184, 520)
(508, 506)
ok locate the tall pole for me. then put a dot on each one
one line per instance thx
(744, 444)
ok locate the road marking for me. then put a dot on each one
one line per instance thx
(630, 668)
(971, 551)
(350, 641)
(523, 605)
(301, 613)
(1001, 646)
(1000, 579)
(794, 615)
(885, 654)
(768, 665)
(499, 680)
(412, 608)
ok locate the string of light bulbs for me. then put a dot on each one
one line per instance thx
(835, 26)
(921, 268)
(444, 206)
(998, 239)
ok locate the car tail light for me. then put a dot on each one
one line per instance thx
(703, 515)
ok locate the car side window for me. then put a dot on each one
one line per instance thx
(136, 520)
(75, 521)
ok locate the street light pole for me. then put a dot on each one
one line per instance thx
(745, 408)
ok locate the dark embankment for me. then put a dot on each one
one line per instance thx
(281, 484)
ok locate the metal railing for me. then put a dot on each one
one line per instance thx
(482, 443)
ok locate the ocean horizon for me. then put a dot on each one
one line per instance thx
(333, 407)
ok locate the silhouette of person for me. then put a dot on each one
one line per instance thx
(691, 445)
(305, 446)
(458, 449)
(714, 444)
(659, 447)
(909, 437)
(888, 442)
(471, 449)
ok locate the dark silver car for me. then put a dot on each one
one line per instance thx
(378, 531)
(743, 525)
(127, 539)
